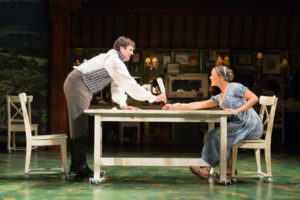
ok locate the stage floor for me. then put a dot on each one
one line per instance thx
(147, 182)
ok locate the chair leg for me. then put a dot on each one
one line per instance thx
(63, 151)
(14, 141)
(28, 157)
(36, 133)
(233, 160)
(268, 161)
(258, 163)
(282, 135)
(8, 141)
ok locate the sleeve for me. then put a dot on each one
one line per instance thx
(123, 82)
(118, 94)
(239, 89)
(216, 98)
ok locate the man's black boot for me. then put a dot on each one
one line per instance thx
(78, 158)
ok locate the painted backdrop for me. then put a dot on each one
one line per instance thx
(24, 57)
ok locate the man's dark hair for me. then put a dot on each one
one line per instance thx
(123, 41)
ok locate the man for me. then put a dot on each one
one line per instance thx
(91, 77)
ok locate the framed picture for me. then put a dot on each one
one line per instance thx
(182, 59)
(271, 64)
(244, 59)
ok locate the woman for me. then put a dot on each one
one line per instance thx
(245, 125)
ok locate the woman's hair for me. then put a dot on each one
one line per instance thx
(123, 41)
(226, 72)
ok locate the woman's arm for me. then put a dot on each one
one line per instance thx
(191, 106)
(251, 98)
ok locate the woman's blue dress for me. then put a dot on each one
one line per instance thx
(244, 125)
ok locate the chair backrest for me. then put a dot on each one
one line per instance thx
(14, 110)
(267, 114)
(23, 100)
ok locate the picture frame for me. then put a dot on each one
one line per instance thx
(187, 85)
(182, 59)
(188, 60)
(244, 59)
(271, 64)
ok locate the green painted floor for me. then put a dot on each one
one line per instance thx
(146, 182)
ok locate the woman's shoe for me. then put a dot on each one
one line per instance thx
(202, 172)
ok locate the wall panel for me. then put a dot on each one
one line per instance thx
(294, 32)
(260, 25)
(87, 30)
(132, 24)
(202, 31)
(76, 31)
(166, 31)
(237, 25)
(283, 34)
(272, 32)
(187, 31)
(155, 30)
(109, 30)
(143, 39)
(190, 38)
(225, 32)
(213, 36)
(248, 31)
(98, 29)
(121, 25)
(179, 32)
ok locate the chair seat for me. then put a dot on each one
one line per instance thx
(252, 144)
(21, 127)
(253, 141)
(49, 137)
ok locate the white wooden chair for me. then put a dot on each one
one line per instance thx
(41, 140)
(16, 122)
(279, 119)
(267, 115)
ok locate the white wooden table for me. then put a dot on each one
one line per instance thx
(114, 115)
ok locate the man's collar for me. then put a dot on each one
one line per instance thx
(121, 56)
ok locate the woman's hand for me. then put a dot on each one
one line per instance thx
(168, 107)
(129, 108)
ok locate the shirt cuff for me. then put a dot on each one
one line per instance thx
(152, 99)
(122, 104)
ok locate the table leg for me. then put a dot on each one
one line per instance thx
(97, 150)
(146, 133)
(223, 150)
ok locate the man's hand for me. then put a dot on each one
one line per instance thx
(161, 97)
(129, 108)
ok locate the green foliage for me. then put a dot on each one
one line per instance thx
(23, 75)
